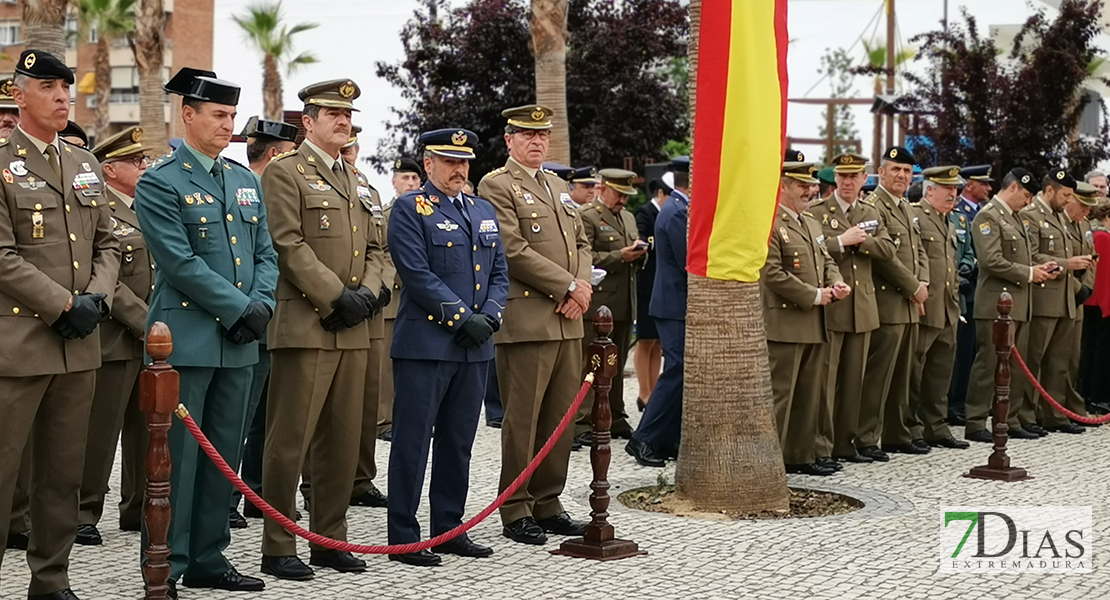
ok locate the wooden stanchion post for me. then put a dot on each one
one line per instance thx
(998, 465)
(599, 541)
(159, 386)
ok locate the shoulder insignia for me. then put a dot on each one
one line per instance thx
(3, 142)
(807, 213)
(498, 171)
(423, 208)
(985, 228)
(550, 171)
(283, 155)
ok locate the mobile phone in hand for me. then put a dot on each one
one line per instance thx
(642, 245)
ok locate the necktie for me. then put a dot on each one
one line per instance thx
(543, 184)
(459, 205)
(52, 160)
(337, 168)
(218, 174)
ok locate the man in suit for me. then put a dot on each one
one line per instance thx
(205, 227)
(1052, 328)
(442, 348)
(659, 434)
(615, 247)
(115, 406)
(59, 266)
(538, 352)
(936, 341)
(1006, 264)
(648, 356)
(855, 238)
(798, 280)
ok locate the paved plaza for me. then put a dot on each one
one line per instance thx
(886, 550)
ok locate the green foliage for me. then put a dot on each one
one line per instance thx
(110, 18)
(263, 23)
(675, 148)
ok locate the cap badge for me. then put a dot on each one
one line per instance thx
(1025, 179)
(953, 172)
(893, 152)
(458, 138)
(537, 114)
(6, 88)
(397, 165)
(137, 135)
(1060, 175)
(347, 90)
(29, 61)
(845, 160)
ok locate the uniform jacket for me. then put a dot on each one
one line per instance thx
(668, 296)
(1005, 261)
(546, 249)
(607, 234)
(645, 224)
(1081, 237)
(859, 312)
(390, 311)
(938, 238)
(329, 235)
(897, 280)
(213, 253)
(1049, 239)
(451, 269)
(797, 265)
(70, 251)
(121, 335)
(965, 257)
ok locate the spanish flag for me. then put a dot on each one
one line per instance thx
(739, 134)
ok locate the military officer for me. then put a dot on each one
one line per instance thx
(59, 268)
(1006, 264)
(1081, 237)
(539, 355)
(205, 227)
(855, 238)
(349, 151)
(936, 341)
(20, 525)
(584, 184)
(616, 247)
(976, 191)
(9, 110)
(798, 280)
(648, 353)
(449, 253)
(266, 140)
(1052, 328)
(123, 159)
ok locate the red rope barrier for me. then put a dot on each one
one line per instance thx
(331, 544)
(1040, 389)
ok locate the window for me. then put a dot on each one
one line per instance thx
(92, 34)
(9, 33)
(71, 29)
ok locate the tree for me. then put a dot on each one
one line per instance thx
(263, 25)
(549, 46)
(148, 44)
(1021, 108)
(837, 67)
(111, 19)
(463, 66)
(44, 25)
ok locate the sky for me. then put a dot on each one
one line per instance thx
(354, 34)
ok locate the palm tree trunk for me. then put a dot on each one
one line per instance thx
(44, 26)
(730, 456)
(549, 45)
(149, 44)
(103, 87)
(271, 89)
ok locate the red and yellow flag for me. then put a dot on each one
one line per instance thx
(739, 134)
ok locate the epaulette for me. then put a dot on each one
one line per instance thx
(808, 214)
(550, 171)
(165, 159)
(283, 155)
(870, 199)
(3, 142)
(498, 171)
(235, 162)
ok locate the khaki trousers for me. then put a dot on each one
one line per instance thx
(377, 362)
(115, 382)
(1050, 349)
(886, 384)
(385, 384)
(798, 385)
(934, 361)
(838, 414)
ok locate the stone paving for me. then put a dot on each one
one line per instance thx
(887, 550)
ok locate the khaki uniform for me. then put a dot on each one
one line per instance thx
(329, 233)
(58, 242)
(1082, 239)
(539, 353)
(389, 314)
(850, 321)
(116, 399)
(607, 234)
(890, 358)
(797, 266)
(1002, 246)
(936, 341)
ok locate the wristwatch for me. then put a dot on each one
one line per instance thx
(573, 286)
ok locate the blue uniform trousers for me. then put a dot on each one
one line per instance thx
(661, 426)
(493, 396)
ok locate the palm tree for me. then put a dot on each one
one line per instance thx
(149, 46)
(549, 45)
(44, 25)
(730, 457)
(111, 19)
(263, 25)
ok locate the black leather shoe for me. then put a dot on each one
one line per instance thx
(873, 453)
(1068, 427)
(979, 436)
(1098, 408)
(287, 567)
(957, 420)
(644, 454)
(524, 531)
(423, 558)
(922, 444)
(66, 594)
(463, 546)
(856, 458)
(810, 469)
(373, 498)
(671, 451)
(344, 562)
(584, 439)
(18, 541)
(251, 511)
(641, 405)
(829, 463)
(88, 535)
(232, 581)
(903, 449)
(620, 435)
(236, 520)
(949, 442)
(1034, 428)
(575, 446)
(562, 524)
(1021, 433)
(387, 435)
(172, 592)
(495, 422)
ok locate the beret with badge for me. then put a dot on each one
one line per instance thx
(619, 180)
(202, 85)
(899, 155)
(334, 93)
(406, 165)
(795, 167)
(943, 175)
(450, 143)
(40, 64)
(1025, 179)
(849, 163)
(125, 143)
(1062, 177)
(532, 116)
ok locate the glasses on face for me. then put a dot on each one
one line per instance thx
(138, 161)
(530, 134)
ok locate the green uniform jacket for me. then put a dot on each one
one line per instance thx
(213, 252)
(1049, 240)
(897, 280)
(1005, 261)
(938, 237)
(121, 335)
(607, 234)
(797, 265)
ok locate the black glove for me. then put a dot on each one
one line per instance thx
(83, 317)
(474, 332)
(384, 296)
(251, 326)
(349, 310)
(965, 270)
(492, 322)
(1083, 294)
(965, 285)
(370, 300)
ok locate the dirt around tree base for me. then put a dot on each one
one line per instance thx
(803, 504)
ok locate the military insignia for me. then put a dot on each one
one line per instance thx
(196, 197)
(917, 225)
(32, 185)
(458, 138)
(963, 220)
(893, 153)
(487, 226)
(115, 223)
(6, 87)
(832, 222)
(423, 207)
(29, 61)
(1089, 236)
(535, 227)
(845, 160)
(137, 135)
(363, 191)
(1051, 245)
(825, 219)
(538, 114)
(797, 264)
(227, 166)
(189, 200)
(187, 165)
(300, 168)
(325, 223)
(84, 181)
(209, 199)
(18, 168)
(320, 186)
(347, 90)
(246, 196)
(21, 152)
(8, 176)
(38, 232)
(397, 165)
(953, 172)
(1025, 179)
(566, 200)
(447, 225)
(311, 159)
(528, 198)
(86, 166)
(985, 228)
(785, 236)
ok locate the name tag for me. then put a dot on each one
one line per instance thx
(246, 196)
(820, 239)
(487, 226)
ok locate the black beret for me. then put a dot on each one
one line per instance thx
(899, 154)
(40, 64)
(74, 130)
(406, 165)
(1026, 179)
(1062, 177)
(793, 155)
(203, 85)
